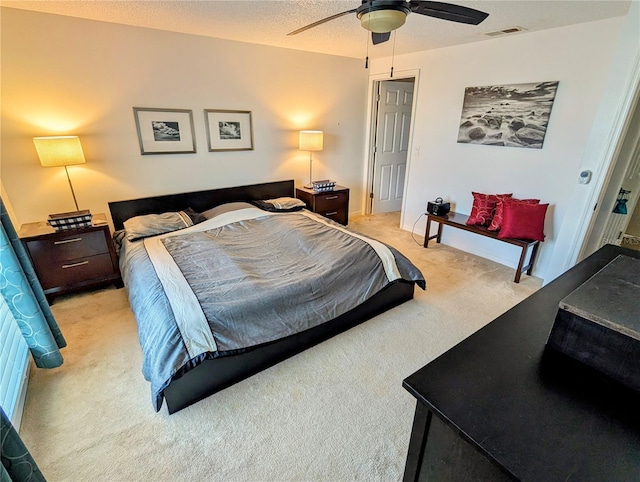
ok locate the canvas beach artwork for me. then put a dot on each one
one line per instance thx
(511, 115)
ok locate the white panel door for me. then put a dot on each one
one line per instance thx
(392, 144)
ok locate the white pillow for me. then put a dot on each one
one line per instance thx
(225, 208)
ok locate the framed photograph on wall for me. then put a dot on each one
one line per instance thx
(229, 130)
(165, 131)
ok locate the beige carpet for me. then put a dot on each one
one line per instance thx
(336, 412)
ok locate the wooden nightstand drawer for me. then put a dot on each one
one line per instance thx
(68, 247)
(337, 215)
(54, 273)
(331, 201)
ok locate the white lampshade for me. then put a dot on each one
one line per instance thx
(59, 151)
(311, 140)
(383, 21)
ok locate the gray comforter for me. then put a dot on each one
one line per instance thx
(246, 278)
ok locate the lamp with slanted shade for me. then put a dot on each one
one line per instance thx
(311, 141)
(60, 151)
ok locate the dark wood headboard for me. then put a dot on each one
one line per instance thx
(198, 200)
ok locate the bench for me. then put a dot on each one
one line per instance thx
(459, 221)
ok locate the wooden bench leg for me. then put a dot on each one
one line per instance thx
(532, 260)
(523, 255)
(437, 237)
(426, 233)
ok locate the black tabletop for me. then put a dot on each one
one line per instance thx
(536, 413)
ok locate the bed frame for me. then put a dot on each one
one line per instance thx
(216, 374)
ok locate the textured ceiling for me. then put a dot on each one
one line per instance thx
(268, 21)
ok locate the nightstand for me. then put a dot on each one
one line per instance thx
(73, 259)
(331, 204)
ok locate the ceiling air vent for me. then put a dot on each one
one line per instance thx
(505, 31)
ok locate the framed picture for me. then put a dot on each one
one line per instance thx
(165, 131)
(512, 115)
(229, 130)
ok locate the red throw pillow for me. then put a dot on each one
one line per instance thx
(496, 222)
(483, 208)
(523, 221)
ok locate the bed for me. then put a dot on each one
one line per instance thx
(228, 295)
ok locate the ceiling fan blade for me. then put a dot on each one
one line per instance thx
(320, 22)
(378, 38)
(448, 11)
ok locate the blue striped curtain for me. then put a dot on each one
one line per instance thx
(22, 291)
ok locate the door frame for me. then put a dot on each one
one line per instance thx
(370, 138)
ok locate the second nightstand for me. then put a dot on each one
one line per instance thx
(331, 204)
(69, 260)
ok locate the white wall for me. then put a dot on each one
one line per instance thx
(579, 57)
(607, 136)
(62, 75)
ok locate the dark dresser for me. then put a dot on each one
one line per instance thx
(502, 406)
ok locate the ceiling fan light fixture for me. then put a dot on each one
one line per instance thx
(383, 21)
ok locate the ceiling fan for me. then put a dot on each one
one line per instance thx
(381, 17)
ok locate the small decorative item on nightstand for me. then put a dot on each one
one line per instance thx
(71, 259)
(333, 204)
(324, 185)
(72, 220)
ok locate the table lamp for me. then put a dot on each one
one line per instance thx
(60, 151)
(311, 141)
